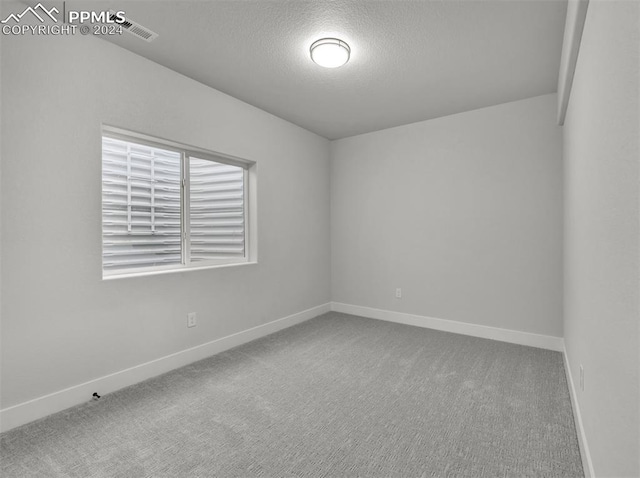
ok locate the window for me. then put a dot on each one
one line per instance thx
(166, 207)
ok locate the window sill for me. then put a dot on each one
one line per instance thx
(173, 271)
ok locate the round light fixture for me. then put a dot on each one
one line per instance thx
(330, 52)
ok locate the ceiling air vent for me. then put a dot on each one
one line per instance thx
(135, 28)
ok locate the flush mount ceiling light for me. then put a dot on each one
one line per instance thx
(330, 52)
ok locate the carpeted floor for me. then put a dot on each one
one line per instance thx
(337, 396)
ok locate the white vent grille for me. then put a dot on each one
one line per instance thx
(135, 28)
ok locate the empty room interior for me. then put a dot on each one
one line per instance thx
(330, 238)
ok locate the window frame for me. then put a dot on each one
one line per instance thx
(186, 153)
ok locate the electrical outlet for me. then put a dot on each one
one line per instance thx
(191, 319)
(581, 378)
(398, 293)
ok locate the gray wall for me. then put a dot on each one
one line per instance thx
(464, 213)
(61, 324)
(602, 264)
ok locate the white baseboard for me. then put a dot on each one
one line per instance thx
(503, 335)
(31, 410)
(587, 464)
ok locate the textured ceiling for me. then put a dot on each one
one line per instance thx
(410, 60)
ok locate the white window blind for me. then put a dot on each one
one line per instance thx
(166, 208)
(216, 210)
(140, 205)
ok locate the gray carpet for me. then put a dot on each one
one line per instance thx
(336, 396)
